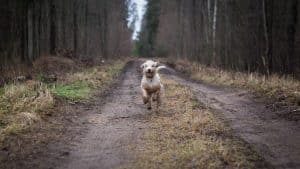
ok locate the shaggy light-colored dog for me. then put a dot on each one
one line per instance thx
(151, 85)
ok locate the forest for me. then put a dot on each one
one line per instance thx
(149, 84)
(249, 35)
(87, 29)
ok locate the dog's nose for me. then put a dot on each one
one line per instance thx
(149, 70)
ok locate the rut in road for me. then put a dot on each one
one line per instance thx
(275, 138)
(113, 128)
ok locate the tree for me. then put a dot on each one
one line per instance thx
(34, 28)
(256, 35)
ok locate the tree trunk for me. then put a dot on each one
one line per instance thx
(267, 43)
(214, 30)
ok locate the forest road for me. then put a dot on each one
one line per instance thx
(114, 123)
(113, 127)
(275, 138)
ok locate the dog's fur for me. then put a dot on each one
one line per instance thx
(150, 84)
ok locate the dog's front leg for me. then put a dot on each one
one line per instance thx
(154, 97)
(145, 96)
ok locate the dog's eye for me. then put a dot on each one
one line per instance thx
(153, 65)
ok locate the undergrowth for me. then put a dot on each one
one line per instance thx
(79, 85)
(23, 104)
(275, 86)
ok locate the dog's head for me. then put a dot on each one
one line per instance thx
(149, 68)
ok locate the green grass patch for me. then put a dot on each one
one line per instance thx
(75, 91)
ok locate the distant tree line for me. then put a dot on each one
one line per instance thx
(245, 35)
(85, 29)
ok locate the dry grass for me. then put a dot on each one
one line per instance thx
(282, 88)
(96, 76)
(20, 105)
(185, 134)
(23, 104)
(79, 85)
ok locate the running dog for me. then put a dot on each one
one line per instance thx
(150, 84)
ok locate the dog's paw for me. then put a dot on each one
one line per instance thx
(145, 100)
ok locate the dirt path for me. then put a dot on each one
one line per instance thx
(112, 128)
(275, 138)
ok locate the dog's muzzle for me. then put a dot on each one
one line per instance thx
(149, 74)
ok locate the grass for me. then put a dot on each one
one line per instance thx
(283, 88)
(23, 104)
(75, 91)
(186, 134)
(1, 91)
(78, 86)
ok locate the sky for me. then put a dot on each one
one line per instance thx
(141, 4)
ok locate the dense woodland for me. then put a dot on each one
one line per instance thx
(248, 35)
(75, 28)
(245, 35)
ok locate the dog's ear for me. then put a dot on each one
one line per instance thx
(142, 66)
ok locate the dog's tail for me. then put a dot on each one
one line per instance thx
(161, 67)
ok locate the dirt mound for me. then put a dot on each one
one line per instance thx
(52, 66)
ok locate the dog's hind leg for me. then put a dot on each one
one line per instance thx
(158, 100)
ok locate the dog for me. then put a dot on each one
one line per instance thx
(151, 85)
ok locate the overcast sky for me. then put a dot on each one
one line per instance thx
(140, 10)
